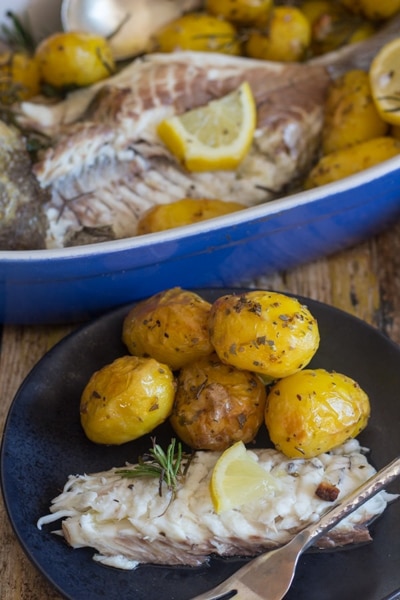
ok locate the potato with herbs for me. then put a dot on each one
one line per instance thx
(286, 38)
(351, 116)
(184, 212)
(200, 32)
(170, 326)
(241, 12)
(266, 332)
(19, 76)
(74, 59)
(332, 26)
(348, 161)
(375, 10)
(313, 411)
(126, 399)
(217, 405)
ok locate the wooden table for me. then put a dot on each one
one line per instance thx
(364, 281)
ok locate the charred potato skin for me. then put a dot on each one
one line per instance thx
(126, 399)
(265, 332)
(313, 411)
(171, 326)
(217, 405)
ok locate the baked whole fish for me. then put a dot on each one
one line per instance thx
(22, 221)
(128, 522)
(106, 165)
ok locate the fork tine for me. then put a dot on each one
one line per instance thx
(269, 576)
(225, 592)
(257, 580)
(232, 587)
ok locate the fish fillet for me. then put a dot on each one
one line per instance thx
(106, 165)
(127, 522)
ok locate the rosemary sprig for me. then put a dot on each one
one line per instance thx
(16, 35)
(169, 466)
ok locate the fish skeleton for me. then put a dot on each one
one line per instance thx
(106, 165)
(128, 522)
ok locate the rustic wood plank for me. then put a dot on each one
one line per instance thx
(21, 348)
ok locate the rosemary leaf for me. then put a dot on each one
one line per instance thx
(167, 466)
(16, 34)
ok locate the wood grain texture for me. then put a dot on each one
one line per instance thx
(364, 281)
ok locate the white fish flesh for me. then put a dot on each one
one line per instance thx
(106, 165)
(127, 522)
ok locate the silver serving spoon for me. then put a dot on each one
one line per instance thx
(270, 575)
(128, 24)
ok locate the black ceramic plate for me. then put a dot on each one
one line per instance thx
(43, 443)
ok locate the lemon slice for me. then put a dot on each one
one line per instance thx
(384, 77)
(237, 479)
(215, 136)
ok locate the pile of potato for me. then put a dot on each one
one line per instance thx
(219, 371)
(273, 29)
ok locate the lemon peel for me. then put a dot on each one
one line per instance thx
(215, 136)
(238, 479)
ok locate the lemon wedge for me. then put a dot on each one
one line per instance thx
(238, 479)
(215, 136)
(384, 77)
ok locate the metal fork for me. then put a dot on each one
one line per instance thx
(270, 575)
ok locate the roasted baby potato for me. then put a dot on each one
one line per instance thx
(171, 326)
(313, 411)
(372, 9)
(126, 399)
(19, 77)
(332, 26)
(184, 212)
(198, 31)
(351, 116)
(217, 405)
(348, 161)
(70, 59)
(242, 12)
(286, 39)
(266, 332)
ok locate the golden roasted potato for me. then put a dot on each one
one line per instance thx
(70, 59)
(266, 332)
(313, 411)
(184, 212)
(286, 39)
(19, 77)
(198, 31)
(332, 26)
(351, 116)
(314, 10)
(373, 9)
(348, 161)
(217, 405)
(171, 326)
(126, 399)
(242, 12)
